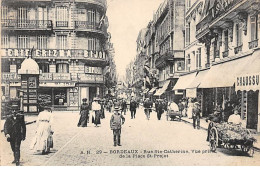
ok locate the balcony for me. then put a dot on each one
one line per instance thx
(63, 24)
(70, 77)
(225, 54)
(216, 54)
(54, 54)
(7, 76)
(102, 3)
(61, 76)
(253, 44)
(167, 57)
(26, 24)
(238, 49)
(89, 26)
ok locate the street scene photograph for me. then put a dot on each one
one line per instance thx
(130, 83)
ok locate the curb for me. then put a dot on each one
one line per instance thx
(27, 123)
(191, 124)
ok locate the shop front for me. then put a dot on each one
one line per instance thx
(59, 95)
(247, 83)
(225, 81)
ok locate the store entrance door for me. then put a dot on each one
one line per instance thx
(84, 94)
(252, 110)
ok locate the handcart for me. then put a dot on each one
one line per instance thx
(230, 136)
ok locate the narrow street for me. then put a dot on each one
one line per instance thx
(141, 141)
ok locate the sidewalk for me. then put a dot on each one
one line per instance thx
(204, 125)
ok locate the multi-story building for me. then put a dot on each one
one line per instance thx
(68, 39)
(222, 56)
(169, 38)
(195, 52)
(230, 35)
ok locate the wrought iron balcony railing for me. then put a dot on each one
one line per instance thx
(253, 44)
(62, 23)
(85, 25)
(238, 49)
(26, 24)
(225, 53)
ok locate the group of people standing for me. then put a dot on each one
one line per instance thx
(97, 107)
(15, 132)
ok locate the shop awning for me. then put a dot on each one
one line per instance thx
(184, 81)
(248, 77)
(198, 79)
(152, 90)
(223, 74)
(160, 91)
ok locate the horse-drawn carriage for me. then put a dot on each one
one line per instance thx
(231, 136)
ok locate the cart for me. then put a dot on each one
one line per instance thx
(231, 136)
(171, 114)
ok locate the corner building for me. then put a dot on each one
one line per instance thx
(68, 39)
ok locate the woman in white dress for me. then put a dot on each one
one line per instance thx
(42, 142)
(189, 111)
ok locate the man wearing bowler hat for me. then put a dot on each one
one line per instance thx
(116, 121)
(15, 131)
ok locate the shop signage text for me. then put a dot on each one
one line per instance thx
(57, 84)
(247, 80)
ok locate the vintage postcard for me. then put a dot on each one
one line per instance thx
(130, 83)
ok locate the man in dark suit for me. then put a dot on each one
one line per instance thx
(15, 132)
(116, 122)
(133, 106)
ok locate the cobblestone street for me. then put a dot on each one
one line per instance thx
(94, 146)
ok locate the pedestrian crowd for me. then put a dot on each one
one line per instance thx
(42, 142)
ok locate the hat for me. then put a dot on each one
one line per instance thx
(116, 106)
(197, 103)
(96, 99)
(14, 107)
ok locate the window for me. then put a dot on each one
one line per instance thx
(4, 12)
(22, 17)
(254, 28)
(62, 68)
(23, 41)
(198, 58)
(239, 30)
(216, 48)
(44, 67)
(187, 40)
(93, 44)
(62, 41)
(42, 42)
(91, 16)
(188, 62)
(62, 16)
(188, 4)
(93, 70)
(226, 40)
(5, 41)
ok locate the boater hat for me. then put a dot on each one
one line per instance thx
(116, 106)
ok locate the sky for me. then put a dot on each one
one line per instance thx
(126, 19)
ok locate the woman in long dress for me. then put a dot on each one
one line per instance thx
(189, 111)
(84, 113)
(42, 141)
(96, 107)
